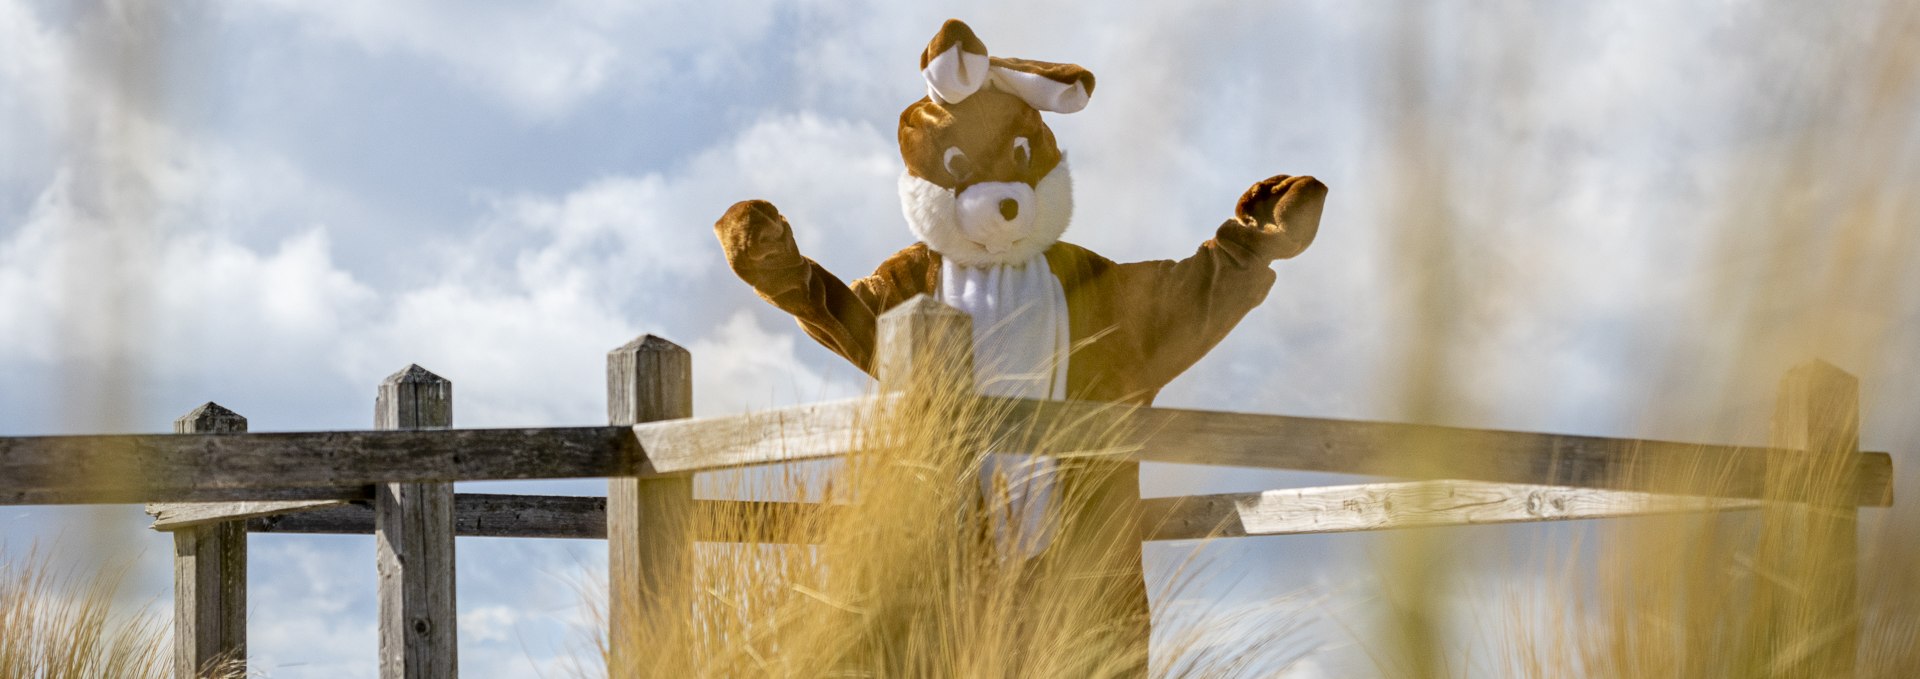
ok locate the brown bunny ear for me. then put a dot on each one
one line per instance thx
(954, 64)
(1055, 88)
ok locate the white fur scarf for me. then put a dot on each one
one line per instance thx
(1021, 340)
(1020, 333)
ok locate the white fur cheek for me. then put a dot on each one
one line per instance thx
(933, 216)
(1053, 206)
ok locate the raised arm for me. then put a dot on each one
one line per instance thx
(760, 248)
(1190, 305)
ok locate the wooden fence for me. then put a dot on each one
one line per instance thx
(211, 484)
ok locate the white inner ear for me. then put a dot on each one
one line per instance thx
(955, 75)
(1041, 92)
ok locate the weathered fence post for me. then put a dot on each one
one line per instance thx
(210, 575)
(1810, 548)
(927, 342)
(413, 533)
(649, 545)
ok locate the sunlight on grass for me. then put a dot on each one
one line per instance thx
(66, 626)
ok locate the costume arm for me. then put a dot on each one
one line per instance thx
(1190, 305)
(760, 248)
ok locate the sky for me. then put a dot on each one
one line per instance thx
(275, 204)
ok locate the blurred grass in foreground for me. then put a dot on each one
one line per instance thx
(66, 626)
(1810, 242)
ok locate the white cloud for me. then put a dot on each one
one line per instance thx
(76, 285)
(32, 73)
(311, 607)
(541, 58)
(518, 356)
(744, 366)
(489, 623)
(590, 269)
(544, 59)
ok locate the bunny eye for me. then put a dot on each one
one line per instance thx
(957, 164)
(1022, 152)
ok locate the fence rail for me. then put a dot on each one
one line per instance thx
(340, 465)
(211, 484)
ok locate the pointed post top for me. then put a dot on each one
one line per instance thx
(414, 374)
(649, 379)
(1819, 371)
(413, 398)
(648, 344)
(210, 418)
(923, 340)
(921, 305)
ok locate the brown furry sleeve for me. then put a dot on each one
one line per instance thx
(1184, 308)
(760, 248)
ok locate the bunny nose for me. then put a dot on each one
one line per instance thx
(1009, 208)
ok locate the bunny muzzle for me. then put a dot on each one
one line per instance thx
(995, 215)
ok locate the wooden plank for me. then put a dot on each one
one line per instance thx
(1380, 448)
(820, 430)
(297, 466)
(338, 465)
(1265, 441)
(474, 515)
(556, 517)
(1810, 551)
(169, 516)
(210, 576)
(1382, 506)
(413, 541)
(649, 539)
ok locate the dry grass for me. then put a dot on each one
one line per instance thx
(1696, 597)
(60, 626)
(908, 578)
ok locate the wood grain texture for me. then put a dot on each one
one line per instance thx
(169, 516)
(413, 541)
(820, 430)
(297, 466)
(209, 598)
(210, 574)
(1263, 441)
(649, 543)
(474, 515)
(558, 517)
(1380, 448)
(1382, 506)
(339, 465)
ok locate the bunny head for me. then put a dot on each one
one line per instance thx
(985, 182)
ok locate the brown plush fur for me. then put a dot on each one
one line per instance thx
(952, 33)
(983, 127)
(1135, 326)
